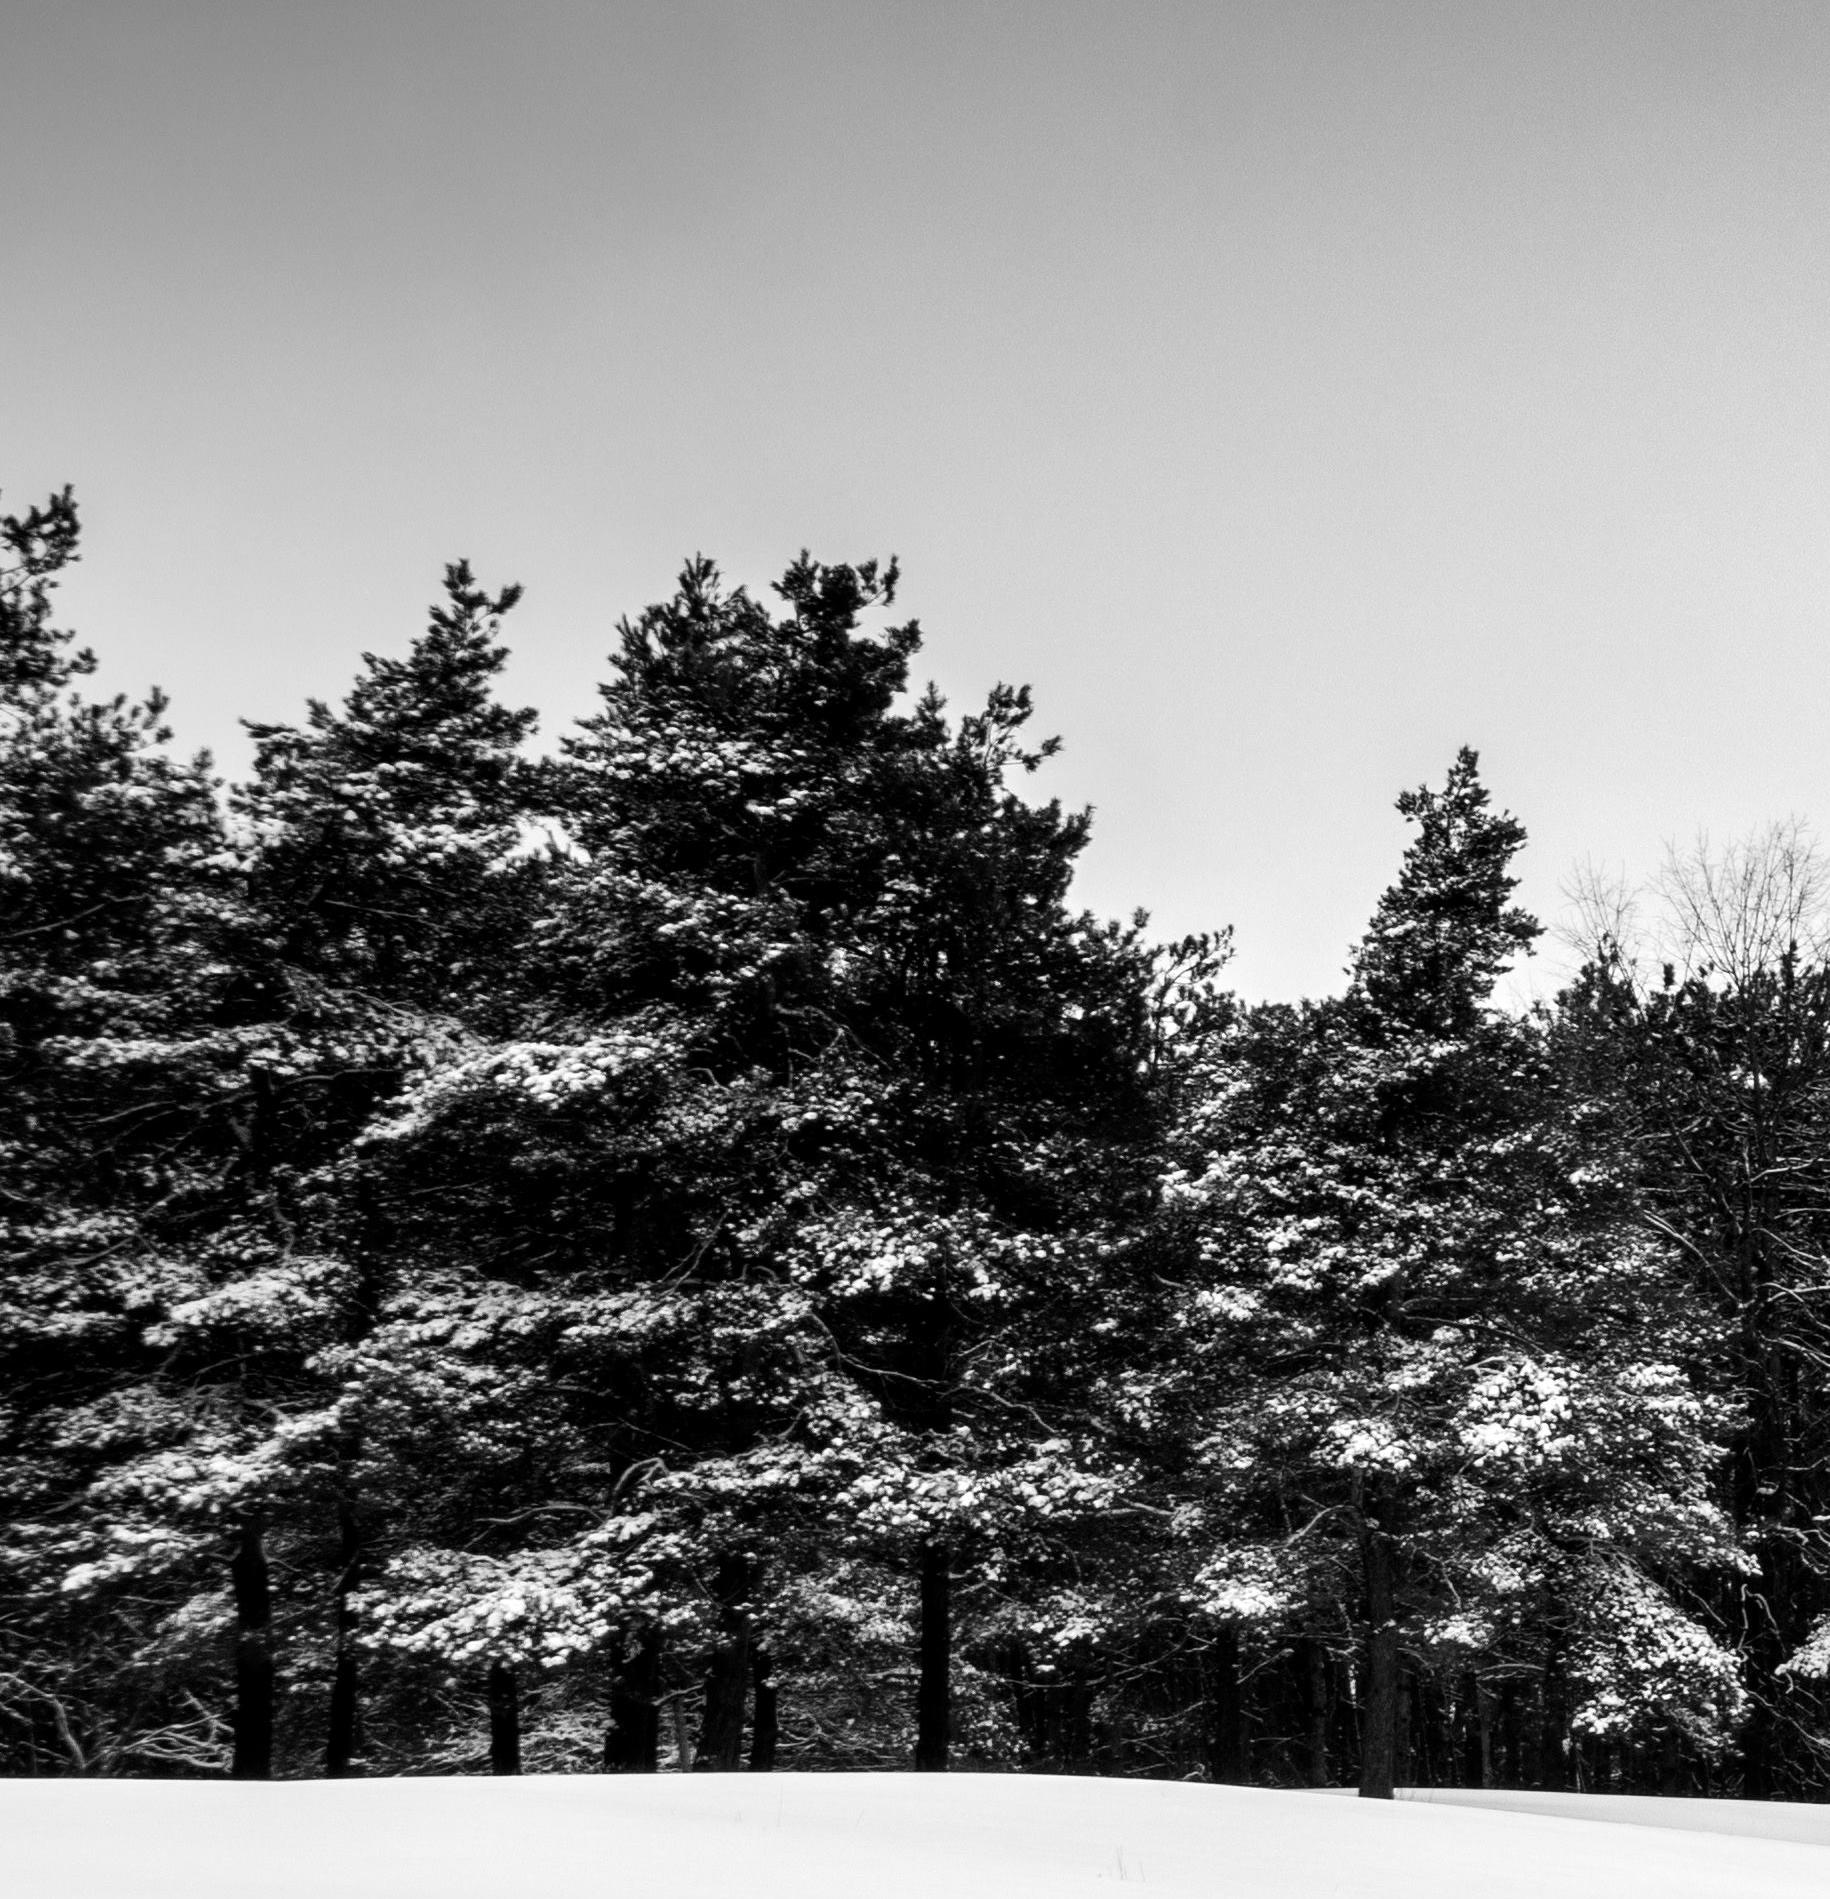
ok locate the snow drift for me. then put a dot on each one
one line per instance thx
(876, 1836)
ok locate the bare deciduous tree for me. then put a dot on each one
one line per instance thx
(1721, 912)
(1732, 910)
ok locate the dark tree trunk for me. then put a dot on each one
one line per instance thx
(765, 1725)
(1513, 1767)
(934, 1693)
(1480, 1754)
(1555, 1762)
(253, 1758)
(1226, 1739)
(727, 1681)
(1379, 1672)
(1432, 1748)
(1344, 1718)
(720, 1745)
(683, 1741)
(340, 1742)
(632, 1744)
(1757, 1777)
(1312, 1676)
(1407, 1769)
(504, 1720)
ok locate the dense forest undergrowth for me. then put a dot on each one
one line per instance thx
(686, 1251)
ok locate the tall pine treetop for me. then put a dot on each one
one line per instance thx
(377, 834)
(416, 709)
(721, 658)
(1445, 931)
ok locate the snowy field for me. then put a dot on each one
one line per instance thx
(880, 1836)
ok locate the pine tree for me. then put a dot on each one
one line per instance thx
(807, 1146)
(1420, 1412)
(116, 1145)
(388, 842)
(376, 856)
(1715, 1084)
(1447, 929)
(389, 852)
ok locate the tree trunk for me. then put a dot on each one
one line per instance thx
(1483, 1715)
(632, 1745)
(765, 1727)
(934, 1694)
(1312, 1674)
(1344, 1718)
(1670, 1763)
(340, 1740)
(253, 1758)
(340, 1743)
(720, 1748)
(1407, 1769)
(1758, 1781)
(504, 1720)
(727, 1681)
(1555, 1760)
(1379, 1694)
(1510, 1765)
(1226, 1741)
(683, 1741)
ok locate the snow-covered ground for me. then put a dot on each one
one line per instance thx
(874, 1836)
(1754, 1819)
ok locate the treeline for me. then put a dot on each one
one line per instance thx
(688, 1252)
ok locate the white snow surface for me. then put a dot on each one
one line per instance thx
(866, 1836)
(1753, 1819)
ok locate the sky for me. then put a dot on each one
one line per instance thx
(1290, 393)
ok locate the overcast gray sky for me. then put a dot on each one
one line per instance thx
(1290, 392)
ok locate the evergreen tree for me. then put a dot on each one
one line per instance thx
(388, 843)
(332, 934)
(607, 1261)
(1420, 1413)
(808, 1148)
(116, 1143)
(1716, 1084)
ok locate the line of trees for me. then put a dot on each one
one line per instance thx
(688, 1251)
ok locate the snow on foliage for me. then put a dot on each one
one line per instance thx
(1639, 1658)
(541, 1607)
(698, 1218)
